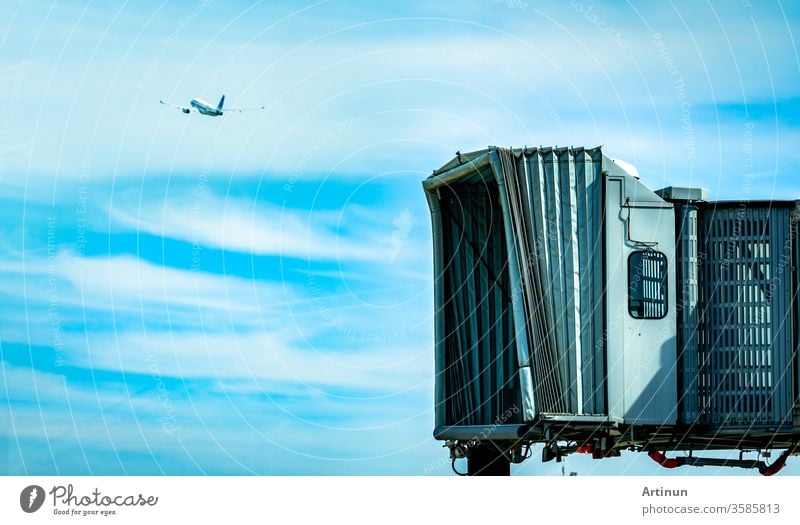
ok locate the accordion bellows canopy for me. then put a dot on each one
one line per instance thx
(552, 200)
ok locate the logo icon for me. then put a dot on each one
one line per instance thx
(31, 498)
(402, 226)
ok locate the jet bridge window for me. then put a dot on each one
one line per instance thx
(647, 284)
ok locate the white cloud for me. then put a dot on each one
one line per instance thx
(389, 369)
(45, 298)
(261, 229)
(75, 427)
(213, 326)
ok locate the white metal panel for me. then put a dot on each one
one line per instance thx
(642, 377)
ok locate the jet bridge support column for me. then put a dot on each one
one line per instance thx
(487, 460)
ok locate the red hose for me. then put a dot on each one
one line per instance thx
(777, 465)
(663, 460)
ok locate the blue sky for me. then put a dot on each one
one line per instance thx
(252, 294)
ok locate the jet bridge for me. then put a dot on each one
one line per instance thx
(578, 309)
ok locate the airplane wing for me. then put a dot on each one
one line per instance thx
(239, 110)
(182, 108)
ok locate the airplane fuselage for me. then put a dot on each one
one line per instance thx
(205, 108)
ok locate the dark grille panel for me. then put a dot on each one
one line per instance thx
(745, 336)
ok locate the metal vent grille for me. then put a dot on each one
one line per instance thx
(745, 336)
(647, 284)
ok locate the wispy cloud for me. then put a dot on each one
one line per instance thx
(218, 326)
(129, 283)
(260, 357)
(70, 428)
(264, 229)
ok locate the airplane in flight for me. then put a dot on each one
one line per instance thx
(206, 108)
